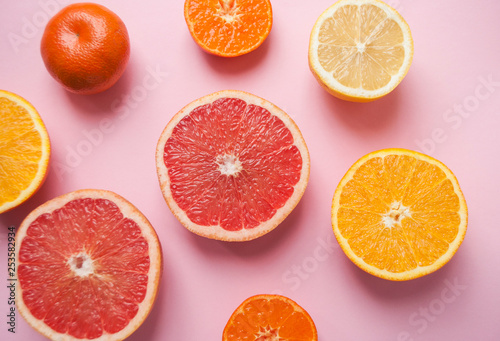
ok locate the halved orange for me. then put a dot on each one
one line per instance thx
(399, 214)
(228, 28)
(360, 50)
(270, 317)
(232, 166)
(24, 150)
(88, 267)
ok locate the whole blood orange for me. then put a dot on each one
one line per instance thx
(88, 266)
(85, 47)
(232, 166)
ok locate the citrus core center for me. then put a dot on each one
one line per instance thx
(229, 164)
(361, 47)
(267, 334)
(228, 10)
(397, 212)
(81, 264)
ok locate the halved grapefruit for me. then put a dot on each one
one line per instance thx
(232, 166)
(89, 265)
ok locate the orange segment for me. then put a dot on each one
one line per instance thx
(228, 28)
(399, 214)
(419, 186)
(357, 197)
(89, 265)
(24, 150)
(360, 50)
(270, 317)
(401, 168)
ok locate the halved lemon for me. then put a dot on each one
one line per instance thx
(360, 50)
(24, 150)
(399, 214)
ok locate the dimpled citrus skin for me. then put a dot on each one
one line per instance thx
(86, 48)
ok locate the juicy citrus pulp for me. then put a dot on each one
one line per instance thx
(228, 28)
(24, 150)
(89, 264)
(232, 166)
(399, 214)
(360, 50)
(86, 48)
(270, 317)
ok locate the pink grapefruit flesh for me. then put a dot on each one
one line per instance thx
(89, 265)
(232, 166)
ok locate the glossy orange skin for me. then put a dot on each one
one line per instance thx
(86, 48)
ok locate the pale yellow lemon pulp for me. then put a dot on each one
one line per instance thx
(360, 50)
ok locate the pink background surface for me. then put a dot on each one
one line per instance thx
(456, 53)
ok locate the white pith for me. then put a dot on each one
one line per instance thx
(228, 10)
(361, 47)
(81, 264)
(395, 215)
(268, 334)
(229, 164)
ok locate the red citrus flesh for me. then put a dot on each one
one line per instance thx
(84, 268)
(233, 164)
